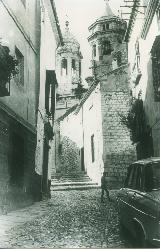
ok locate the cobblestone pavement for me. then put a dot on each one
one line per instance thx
(70, 219)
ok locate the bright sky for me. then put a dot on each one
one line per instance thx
(81, 14)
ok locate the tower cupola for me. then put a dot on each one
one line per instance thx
(106, 39)
(68, 63)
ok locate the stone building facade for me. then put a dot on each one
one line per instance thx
(104, 141)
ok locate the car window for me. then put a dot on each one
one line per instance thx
(152, 176)
(134, 178)
(131, 173)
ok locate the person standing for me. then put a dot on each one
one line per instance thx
(104, 187)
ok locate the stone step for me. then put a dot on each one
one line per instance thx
(71, 180)
(71, 183)
(73, 187)
(71, 177)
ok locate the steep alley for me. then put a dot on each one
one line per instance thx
(70, 219)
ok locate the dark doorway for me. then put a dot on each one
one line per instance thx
(82, 159)
(17, 160)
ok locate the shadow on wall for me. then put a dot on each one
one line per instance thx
(69, 155)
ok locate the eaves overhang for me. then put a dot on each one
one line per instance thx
(132, 20)
(152, 6)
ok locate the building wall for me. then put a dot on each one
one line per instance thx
(118, 151)
(49, 43)
(152, 108)
(19, 29)
(92, 125)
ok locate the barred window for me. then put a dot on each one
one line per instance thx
(20, 58)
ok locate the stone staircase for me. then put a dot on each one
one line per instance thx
(79, 181)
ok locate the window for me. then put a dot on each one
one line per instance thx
(130, 177)
(105, 26)
(92, 148)
(106, 48)
(156, 69)
(24, 2)
(50, 93)
(64, 67)
(20, 58)
(73, 66)
(94, 50)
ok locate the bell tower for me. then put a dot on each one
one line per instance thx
(109, 51)
(68, 63)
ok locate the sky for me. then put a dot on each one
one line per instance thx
(81, 14)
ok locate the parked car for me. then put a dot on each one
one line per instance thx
(139, 202)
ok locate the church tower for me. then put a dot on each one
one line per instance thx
(68, 61)
(111, 73)
(109, 51)
(68, 71)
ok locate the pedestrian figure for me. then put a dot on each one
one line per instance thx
(104, 187)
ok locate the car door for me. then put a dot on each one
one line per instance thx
(124, 198)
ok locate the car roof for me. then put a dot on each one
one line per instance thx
(147, 161)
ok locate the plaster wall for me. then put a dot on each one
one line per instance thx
(152, 108)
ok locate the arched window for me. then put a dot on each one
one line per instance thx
(73, 66)
(107, 25)
(64, 67)
(94, 50)
(106, 48)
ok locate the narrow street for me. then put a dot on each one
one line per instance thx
(70, 219)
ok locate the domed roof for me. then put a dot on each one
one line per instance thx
(68, 37)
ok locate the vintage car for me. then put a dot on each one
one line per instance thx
(139, 202)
